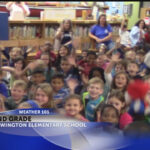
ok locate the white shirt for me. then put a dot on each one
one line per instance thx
(17, 13)
(124, 38)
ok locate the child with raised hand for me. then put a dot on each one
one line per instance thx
(44, 96)
(93, 97)
(59, 90)
(49, 71)
(18, 95)
(73, 107)
(117, 99)
(16, 71)
(71, 75)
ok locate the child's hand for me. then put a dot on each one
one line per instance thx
(72, 60)
(72, 84)
(85, 79)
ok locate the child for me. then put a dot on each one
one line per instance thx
(37, 77)
(28, 104)
(64, 35)
(130, 55)
(93, 98)
(132, 69)
(44, 96)
(109, 114)
(117, 99)
(59, 91)
(3, 88)
(73, 107)
(47, 47)
(102, 61)
(63, 51)
(49, 71)
(18, 94)
(16, 71)
(140, 55)
(124, 34)
(71, 75)
(91, 62)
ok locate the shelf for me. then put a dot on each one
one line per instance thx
(57, 21)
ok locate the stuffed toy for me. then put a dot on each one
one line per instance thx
(138, 90)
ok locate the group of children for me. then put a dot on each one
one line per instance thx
(92, 87)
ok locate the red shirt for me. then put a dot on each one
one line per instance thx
(52, 55)
(147, 38)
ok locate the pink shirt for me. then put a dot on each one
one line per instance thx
(125, 119)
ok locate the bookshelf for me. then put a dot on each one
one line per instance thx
(36, 32)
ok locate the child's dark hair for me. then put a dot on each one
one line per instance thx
(141, 52)
(64, 59)
(113, 85)
(74, 96)
(119, 95)
(91, 53)
(108, 106)
(132, 62)
(20, 58)
(58, 76)
(100, 70)
(38, 70)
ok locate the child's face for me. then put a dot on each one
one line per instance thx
(119, 67)
(130, 55)
(140, 58)
(132, 69)
(45, 59)
(65, 66)
(14, 53)
(95, 90)
(109, 115)
(41, 97)
(84, 54)
(18, 65)
(91, 59)
(100, 60)
(66, 25)
(63, 52)
(57, 84)
(120, 81)
(116, 103)
(17, 93)
(73, 107)
(38, 78)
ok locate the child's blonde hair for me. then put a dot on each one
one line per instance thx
(20, 83)
(96, 80)
(47, 89)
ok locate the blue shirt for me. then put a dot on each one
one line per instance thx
(61, 94)
(101, 32)
(3, 90)
(91, 108)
